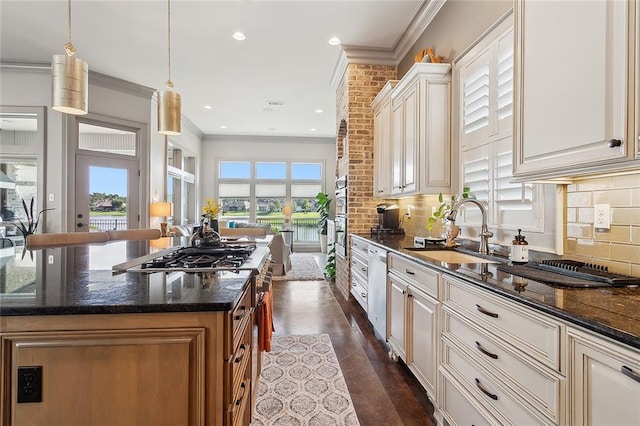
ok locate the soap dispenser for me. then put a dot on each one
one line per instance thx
(519, 249)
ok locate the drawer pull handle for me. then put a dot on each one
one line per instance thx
(486, 352)
(364, 269)
(614, 143)
(363, 295)
(239, 316)
(409, 272)
(244, 390)
(486, 392)
(630, 373)
(239, 358)
(484, 311)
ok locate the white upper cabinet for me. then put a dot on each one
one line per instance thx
(573, 80)
(421, 145)
(382, 138)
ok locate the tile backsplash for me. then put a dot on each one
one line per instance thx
(618, 247)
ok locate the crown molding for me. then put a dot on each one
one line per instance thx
(109, 82)
(95, 78)
(268, 139)
(388, 56)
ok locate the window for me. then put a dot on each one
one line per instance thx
(484, 76)
(181, 186)
(257, 191)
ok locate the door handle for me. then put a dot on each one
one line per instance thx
(80, 225)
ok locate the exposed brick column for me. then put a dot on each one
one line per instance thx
(354, 94)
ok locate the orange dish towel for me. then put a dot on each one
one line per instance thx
(266, 323)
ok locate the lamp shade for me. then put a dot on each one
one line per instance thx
(169, 113)
(287, 210)
(160, 209)
(69, 85)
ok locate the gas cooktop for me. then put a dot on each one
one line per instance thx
(198, 259)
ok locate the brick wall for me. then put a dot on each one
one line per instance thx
(357, 89)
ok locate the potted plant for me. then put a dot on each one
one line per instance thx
(324, 208)
(31, 225)
(330, 267)
(439, 215)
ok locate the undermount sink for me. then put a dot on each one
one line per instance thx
(451, 256)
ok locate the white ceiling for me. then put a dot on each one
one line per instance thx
(285, 56)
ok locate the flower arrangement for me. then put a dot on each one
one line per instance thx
(32, 221)
(211, 207)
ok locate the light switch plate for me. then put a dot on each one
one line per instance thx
(601, 216)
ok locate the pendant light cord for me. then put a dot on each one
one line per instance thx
(68, 46)
(169, 82)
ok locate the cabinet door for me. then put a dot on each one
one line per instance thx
(571, 89)
(382, 151)
(423, 341)
(125, 377)
(605, 382)
(636, 133)
(397, 167)
(435, 145)
(411, 139)
(397, 291)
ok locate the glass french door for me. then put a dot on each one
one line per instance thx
(107, 193)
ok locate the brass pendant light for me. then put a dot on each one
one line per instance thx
(69, 79)
(169, 102)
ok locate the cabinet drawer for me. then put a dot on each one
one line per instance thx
(239, 318)
(534, 334)
(359, 247)
(532, 383)
(359, 266)
(360, 293)
(457, 407)
(415, 274)
(237, 412)
(238, 363)
(493, 395)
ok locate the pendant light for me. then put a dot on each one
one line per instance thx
(69, 79)
(169, 103)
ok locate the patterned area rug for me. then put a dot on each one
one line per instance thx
(303, 268)
(302, 384)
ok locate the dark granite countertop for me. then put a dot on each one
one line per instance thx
(79, 280)
(611, 312)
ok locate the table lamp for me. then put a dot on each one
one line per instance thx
(287, 211)
(161, 209)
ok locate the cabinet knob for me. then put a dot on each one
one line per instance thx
(614, 143)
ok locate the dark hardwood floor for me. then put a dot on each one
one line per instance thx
(384, 392)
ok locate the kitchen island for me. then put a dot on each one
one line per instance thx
(84, 345)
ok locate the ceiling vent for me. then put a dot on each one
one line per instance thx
(275, 103)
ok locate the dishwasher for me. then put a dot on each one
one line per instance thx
(377, 296)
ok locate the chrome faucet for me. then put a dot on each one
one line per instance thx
(485, 234)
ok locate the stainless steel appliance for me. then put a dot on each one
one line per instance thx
(224, 257)
(388, 216)
(341, 216)
(341, 235)
(377, 293)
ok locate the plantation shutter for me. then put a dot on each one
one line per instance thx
(475, 84)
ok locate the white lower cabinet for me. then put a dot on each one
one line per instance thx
(422, 353)
(397, 297)
(506, 356)
(413, 318)
(604, 381)
(457, 406)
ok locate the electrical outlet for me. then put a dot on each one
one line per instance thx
(30, 384)
(601, 216)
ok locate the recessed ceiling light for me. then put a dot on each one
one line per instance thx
(319, 111)
(239, 36)
(313, 129)
(334, 41)
(208, 107)
(223, 127)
